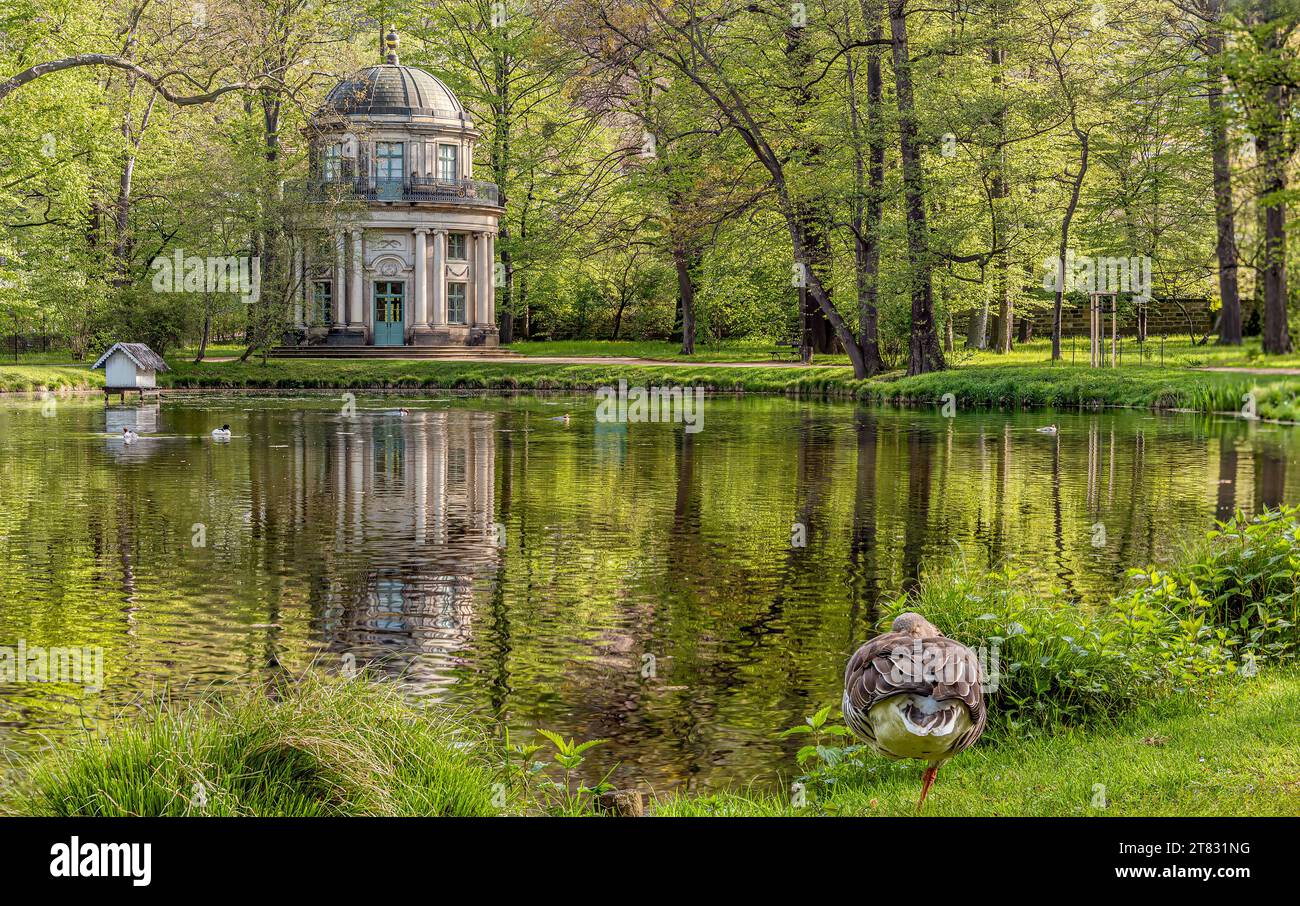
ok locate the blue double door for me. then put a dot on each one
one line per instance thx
(390, 313)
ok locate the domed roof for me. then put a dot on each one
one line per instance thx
(393, 90)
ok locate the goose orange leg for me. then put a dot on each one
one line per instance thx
(927, 780)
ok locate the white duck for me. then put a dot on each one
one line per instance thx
(914, 693)
(129, 436)
(1047, 429)
(222, 433)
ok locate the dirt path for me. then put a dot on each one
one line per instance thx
(572, 360)
(1242, 369)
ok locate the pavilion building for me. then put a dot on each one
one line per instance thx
(396, 245)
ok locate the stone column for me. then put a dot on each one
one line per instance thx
(492, 280)
(440, 278)
(340, 280)
(421, 277)
(477, 294)
(356, 316)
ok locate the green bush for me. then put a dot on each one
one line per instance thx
(1048, 662)
(1242, 583)
(1231, 604)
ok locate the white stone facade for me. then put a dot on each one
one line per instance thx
(397, 245)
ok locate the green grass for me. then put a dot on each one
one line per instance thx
(1177, 352)
(997, 384)
(1236, 754)
(31, 378)
(1065, 387)
(326, 748)
(736, 350)
(350, 748)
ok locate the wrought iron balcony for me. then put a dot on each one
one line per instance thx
(410, 188)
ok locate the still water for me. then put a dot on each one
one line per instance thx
(637, 583)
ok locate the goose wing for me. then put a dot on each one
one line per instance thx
(896, 664)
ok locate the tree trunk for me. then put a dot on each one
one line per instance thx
(507, 294)
(1224, 219)
(924, 352)
(799, 53)
(1075, 188)
(868, 202)
(1271, 141)
(683, 261)
(999, 190)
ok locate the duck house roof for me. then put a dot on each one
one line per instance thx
(139, 353)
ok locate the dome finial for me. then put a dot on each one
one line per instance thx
(390, 43)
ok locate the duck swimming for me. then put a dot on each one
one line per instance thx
(129, 436)
(564, 419)
(1047, 429)
(222, 433)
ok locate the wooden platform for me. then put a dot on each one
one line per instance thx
(414, 353)
(142, 393)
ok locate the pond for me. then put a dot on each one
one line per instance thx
(685, 595)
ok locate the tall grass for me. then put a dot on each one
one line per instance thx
(318, 747)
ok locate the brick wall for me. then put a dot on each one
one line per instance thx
(1169, 317)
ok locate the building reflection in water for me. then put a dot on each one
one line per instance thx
(412, 526)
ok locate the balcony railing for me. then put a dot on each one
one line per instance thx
(410, 188)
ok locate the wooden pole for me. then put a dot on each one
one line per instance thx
(1114, 329)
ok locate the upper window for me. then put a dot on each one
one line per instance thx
(447, 162)
(388, 160)
(457, 249)
(334, 161)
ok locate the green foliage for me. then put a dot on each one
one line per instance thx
(1059, 665)
(818, 754)
(139, 315)
(1243, 584)
(567, 794)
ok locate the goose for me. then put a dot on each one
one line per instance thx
(914, 693)
(129, 436)
(1047, 429)
(222, 433)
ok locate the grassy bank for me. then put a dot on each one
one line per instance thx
(1018, 386)
(1180, 697)
(351, 748)
(1235, 752)
(972, 386)
(33, 378)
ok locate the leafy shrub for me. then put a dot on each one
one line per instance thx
(1232, 603)
(1243, 583)
(1048, 662)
